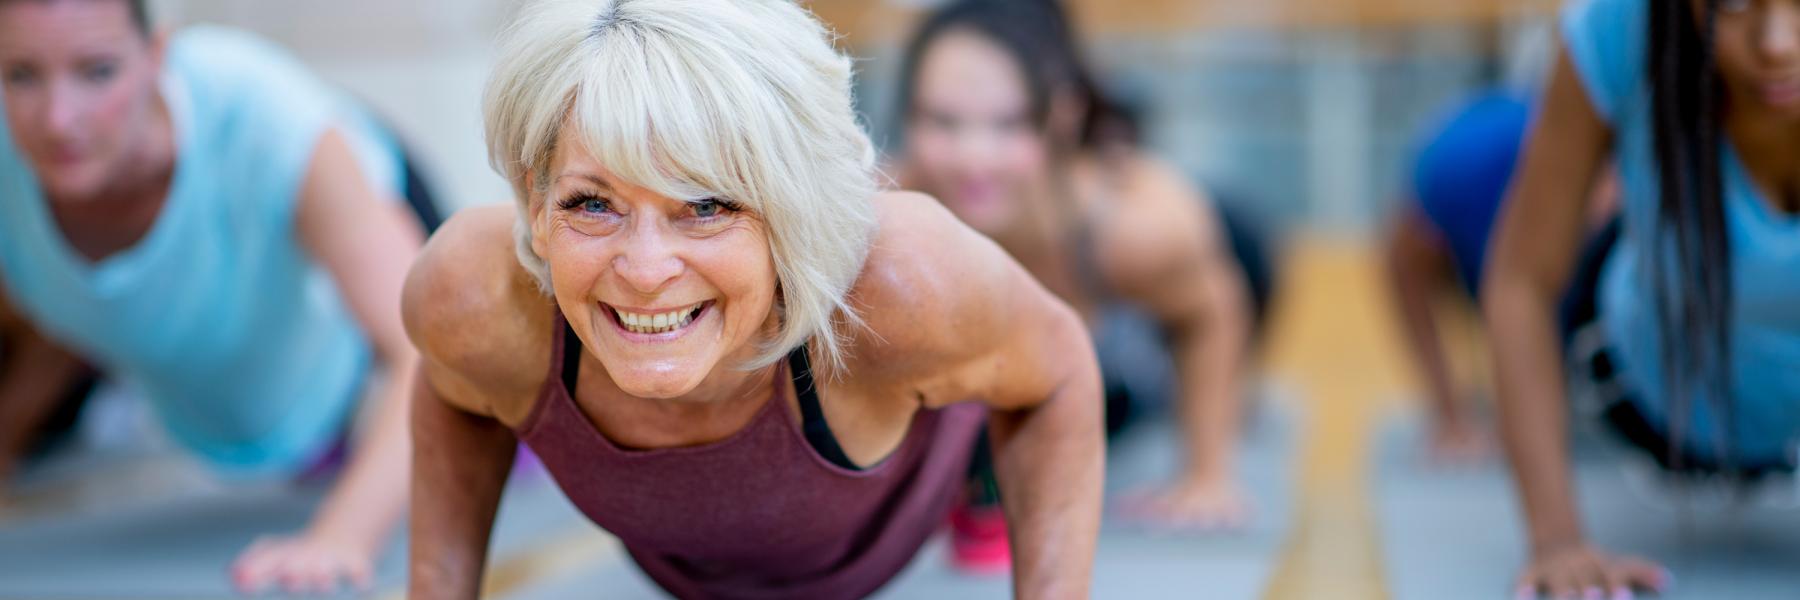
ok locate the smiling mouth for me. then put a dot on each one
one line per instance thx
(662, 322)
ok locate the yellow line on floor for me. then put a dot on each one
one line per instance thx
(1334, 336)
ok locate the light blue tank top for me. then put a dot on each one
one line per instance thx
(1606, 41)
(240, 342)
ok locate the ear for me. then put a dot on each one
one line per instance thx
(159, 46)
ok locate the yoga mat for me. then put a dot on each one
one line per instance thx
(180, 547)
(1456, 533)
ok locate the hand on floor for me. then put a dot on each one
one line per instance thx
(1459, 444)
(1583, 572)
(1194, 504)
(303, 564)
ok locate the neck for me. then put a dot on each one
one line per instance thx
(1764, 139)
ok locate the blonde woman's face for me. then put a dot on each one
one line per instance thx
(970, 139)
(661, 291)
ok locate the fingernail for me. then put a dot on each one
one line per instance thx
(1622, 594)
(1594, 593)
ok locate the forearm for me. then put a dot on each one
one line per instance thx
(1050, 462)
(460, 466)
(1412, 289)
(1210, 363)
(34, 376)
(1531, 405)
(368, 500)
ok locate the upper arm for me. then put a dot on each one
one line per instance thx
(464, 309)
(957, 319)
(1543, 219)
(1167, 251)
(364, 240)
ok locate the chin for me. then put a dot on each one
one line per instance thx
(656, 381)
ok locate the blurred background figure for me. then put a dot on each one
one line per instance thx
(1438, 245)
(1006, 127)
(1695, 301)
(226, 236)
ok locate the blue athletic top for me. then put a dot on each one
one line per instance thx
(240, 342)
(1465, 163)
(1606, 41)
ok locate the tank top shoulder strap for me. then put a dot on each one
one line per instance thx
(812, 415)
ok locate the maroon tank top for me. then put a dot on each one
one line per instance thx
(759, 514)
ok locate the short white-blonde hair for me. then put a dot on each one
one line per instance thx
(739, 99)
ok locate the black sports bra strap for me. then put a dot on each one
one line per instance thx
(812, 416)
(571, 358)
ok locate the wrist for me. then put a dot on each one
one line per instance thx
(360, 537)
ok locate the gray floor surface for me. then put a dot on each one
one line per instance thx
(1456, 533)
(179, 547)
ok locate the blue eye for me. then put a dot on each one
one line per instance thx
(1733, 6)
(712, 207)
(586, 203)
(708, 208)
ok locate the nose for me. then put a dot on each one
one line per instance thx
(649, 262)
(1778, 40)
(972, 145)
(62, 111)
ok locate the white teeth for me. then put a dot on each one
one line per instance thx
(659, 323)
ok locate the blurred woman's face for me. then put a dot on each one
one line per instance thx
(1758, 47)
(970, 139)
(79, 81)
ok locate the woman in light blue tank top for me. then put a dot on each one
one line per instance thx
(204, 220)
(1700, 103)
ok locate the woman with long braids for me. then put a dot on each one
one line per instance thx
(1700, 102)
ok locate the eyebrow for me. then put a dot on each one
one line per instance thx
(595, 179)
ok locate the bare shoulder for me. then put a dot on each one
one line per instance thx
(950, 317)
(927, 275)
(1164, 223)
(476, 314)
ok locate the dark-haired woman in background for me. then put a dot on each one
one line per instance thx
(1699, 100)
(1005, 125)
